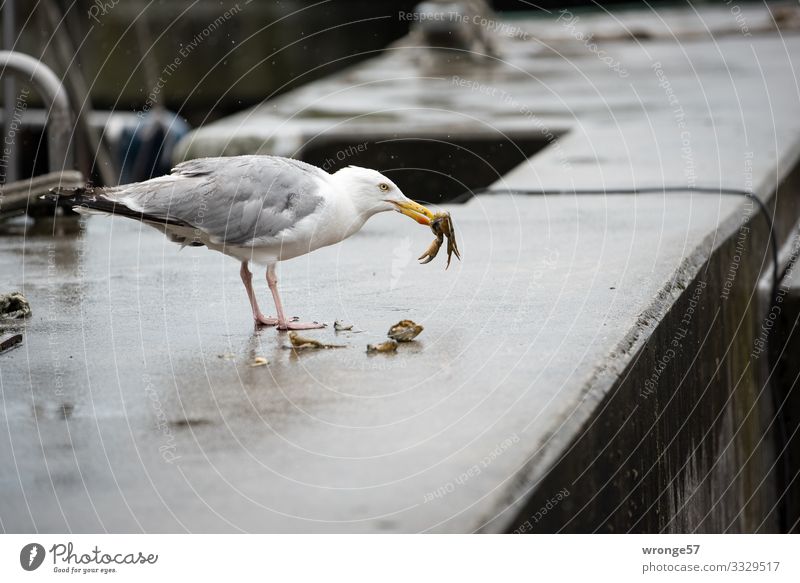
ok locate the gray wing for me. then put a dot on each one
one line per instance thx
(234, 200)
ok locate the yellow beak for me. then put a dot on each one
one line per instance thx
(416, 211)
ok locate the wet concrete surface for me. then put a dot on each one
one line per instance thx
(131, 405)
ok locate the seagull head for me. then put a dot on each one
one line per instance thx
(371, 192)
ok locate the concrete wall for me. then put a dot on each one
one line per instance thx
(686, 439)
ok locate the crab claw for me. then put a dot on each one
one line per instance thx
(432, 251)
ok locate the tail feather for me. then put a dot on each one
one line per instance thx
(93, 200)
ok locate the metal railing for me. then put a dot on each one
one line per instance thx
(60, 120)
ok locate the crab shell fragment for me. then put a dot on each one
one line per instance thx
(303, 342)
(404, 331)
(388, 346)
(442, 226)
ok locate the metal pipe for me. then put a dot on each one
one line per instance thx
(9, 93)
(59, 122)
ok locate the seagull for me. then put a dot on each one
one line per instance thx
(259, 209)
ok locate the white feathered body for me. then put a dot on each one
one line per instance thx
(262, 209)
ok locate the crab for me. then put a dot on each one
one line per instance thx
(442, 226)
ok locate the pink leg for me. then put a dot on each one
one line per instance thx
(283, 323)
(247, 280)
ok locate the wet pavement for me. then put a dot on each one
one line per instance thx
(131, 404)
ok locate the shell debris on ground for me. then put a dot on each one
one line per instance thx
(302, 342)
(405, 331)
(14, 306)
(388, 346)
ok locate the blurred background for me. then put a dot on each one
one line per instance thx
(111, 55)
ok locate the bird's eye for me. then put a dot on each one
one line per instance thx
(383, 186)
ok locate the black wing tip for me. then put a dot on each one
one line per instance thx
(62, 194)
